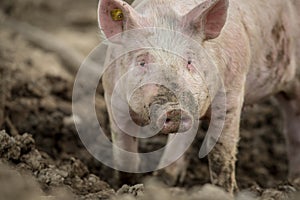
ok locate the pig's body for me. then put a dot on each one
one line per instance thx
(255, 53)
(257, 37)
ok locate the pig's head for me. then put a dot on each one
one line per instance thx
(173, 88)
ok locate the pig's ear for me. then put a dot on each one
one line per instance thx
(115, 16)
(209, 18)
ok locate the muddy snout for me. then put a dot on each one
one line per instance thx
(163, 110)
(173, 119)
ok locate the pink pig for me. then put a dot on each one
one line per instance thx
(255, 46)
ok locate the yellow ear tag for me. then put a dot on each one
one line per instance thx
(116, 14)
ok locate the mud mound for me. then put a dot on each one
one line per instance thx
(71, 173)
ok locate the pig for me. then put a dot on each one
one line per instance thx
(254, 46)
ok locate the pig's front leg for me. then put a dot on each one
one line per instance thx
(222, 158)
(122, 143)
(177, 170)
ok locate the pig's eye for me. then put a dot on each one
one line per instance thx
(142, 60)
(142, 63)
(189, 65)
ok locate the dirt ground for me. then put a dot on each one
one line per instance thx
(41, 155)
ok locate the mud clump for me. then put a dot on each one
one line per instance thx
(154, 190)
(71, 173)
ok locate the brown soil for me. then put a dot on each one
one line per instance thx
(41, 154)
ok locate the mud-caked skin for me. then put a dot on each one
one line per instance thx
(254, 45)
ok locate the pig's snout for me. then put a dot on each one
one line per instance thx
(174, 121)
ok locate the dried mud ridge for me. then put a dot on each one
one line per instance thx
(26, 173)
(71, 174)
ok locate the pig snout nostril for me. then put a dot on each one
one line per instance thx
(174, 121)
(168, 120)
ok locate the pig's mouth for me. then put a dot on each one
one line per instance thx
(168, 118)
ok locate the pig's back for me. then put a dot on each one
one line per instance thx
(271, 28)
(270, 31)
